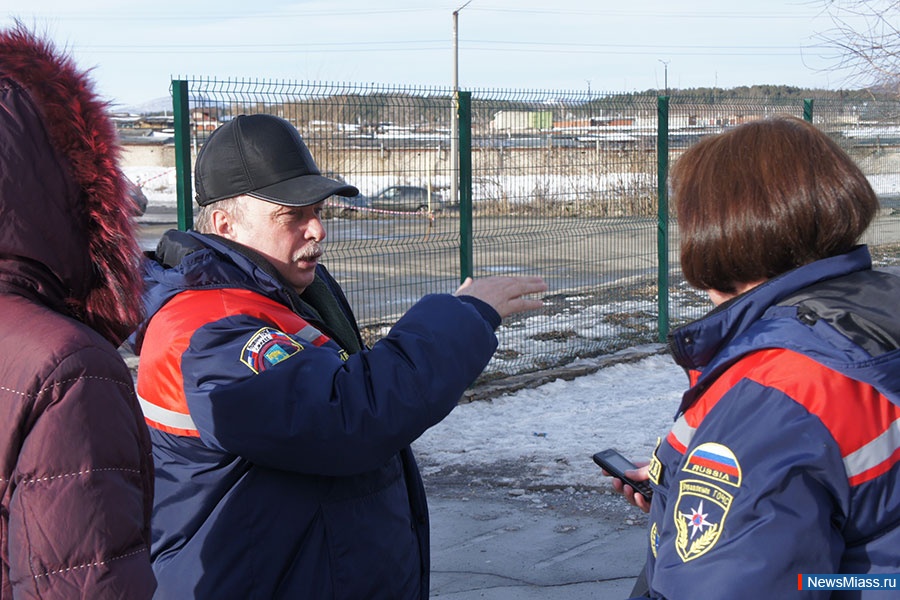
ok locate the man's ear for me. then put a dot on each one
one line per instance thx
(222, 223)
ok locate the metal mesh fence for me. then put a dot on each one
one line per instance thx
(869, 131)
(564, 185)
(566, 188)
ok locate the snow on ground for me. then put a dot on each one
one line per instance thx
(159, 184)
(544, 437)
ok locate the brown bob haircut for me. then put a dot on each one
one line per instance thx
(764, 198)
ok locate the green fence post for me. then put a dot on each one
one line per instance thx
(807, 109)
(465, 185)
(182, 114)
(662, 214)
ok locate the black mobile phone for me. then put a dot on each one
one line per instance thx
(616, 464)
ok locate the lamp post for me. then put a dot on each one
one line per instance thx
(454, 112)
(590, 107)
(665, 73)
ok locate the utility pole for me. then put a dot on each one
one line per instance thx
(665, 73)
(454, 112)
(590, 108)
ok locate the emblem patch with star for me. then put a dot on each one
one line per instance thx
(704, 500)
(699, 516)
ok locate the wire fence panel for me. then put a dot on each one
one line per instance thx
(564, 185)
(869, 131)
(566, 189)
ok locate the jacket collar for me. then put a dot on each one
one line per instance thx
(190, 260)
(697, 344)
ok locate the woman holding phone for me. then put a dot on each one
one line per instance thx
(785, 450)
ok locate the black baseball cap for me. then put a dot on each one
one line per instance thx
(262, 156)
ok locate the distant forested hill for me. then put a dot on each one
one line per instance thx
(777, 92)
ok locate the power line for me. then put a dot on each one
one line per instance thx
(645, 16)
(471, 45)
(126, 15)
(123, 14)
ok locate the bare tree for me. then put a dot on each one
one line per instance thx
(866, 37)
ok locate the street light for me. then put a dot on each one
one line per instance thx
(666, 73)
(589, 103)
(454, 112)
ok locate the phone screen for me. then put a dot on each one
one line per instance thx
(617, 464)
(618, 461)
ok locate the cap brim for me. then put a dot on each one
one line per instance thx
(303, 190)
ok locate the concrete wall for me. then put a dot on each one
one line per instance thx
(374, 168)
(148, 155)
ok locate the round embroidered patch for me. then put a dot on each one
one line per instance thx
(268, 347)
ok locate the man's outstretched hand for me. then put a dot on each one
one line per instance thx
(505, 294)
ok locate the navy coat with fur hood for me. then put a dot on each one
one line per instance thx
(75, 466)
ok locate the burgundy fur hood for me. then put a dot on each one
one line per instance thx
(66, 222)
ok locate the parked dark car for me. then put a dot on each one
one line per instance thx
(340, 206)
(407, 198)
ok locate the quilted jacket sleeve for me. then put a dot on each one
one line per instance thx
(316, 413)
(81, 491)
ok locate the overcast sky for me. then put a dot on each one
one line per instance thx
(137, 48)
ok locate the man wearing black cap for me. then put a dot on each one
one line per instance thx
(281, 443)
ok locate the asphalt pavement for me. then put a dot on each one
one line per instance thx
(501, 543)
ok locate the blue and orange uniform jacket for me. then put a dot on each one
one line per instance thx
(783, 458)
(283, 467)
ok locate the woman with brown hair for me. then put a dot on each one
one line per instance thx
(786, 448)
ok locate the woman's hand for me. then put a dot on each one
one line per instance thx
(631, 495)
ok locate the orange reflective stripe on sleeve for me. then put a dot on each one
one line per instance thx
(160, 383)
(864, 423)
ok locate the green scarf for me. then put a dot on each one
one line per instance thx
(320, 301)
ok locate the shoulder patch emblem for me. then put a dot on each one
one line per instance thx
(268, 347)
(716, 462)
(699, 516)
(655, 470)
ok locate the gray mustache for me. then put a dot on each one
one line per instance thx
(312, 252)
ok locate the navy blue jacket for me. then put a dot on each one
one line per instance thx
(785, 453)
(283, 467)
